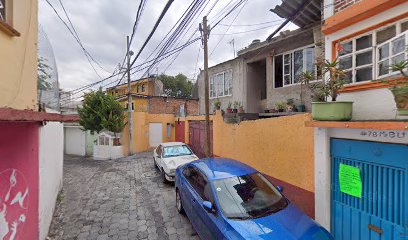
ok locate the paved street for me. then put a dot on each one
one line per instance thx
(122, 199)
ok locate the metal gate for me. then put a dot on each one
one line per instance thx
(381, 211)
(197, 137)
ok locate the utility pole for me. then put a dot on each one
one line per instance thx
(130, 120)
(206, 87)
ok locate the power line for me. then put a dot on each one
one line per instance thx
(87, 55)
(222, 37)
(249, 25)
(252, 30)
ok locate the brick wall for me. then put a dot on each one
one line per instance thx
(170, 105)
(343, 4)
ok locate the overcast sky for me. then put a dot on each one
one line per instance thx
(103, 25)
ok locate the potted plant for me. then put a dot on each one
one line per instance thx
(332, 81)
(280, 106)
(399, 88)
(217, 104)
(229, 108)
(235, 107)
(240, 108)
(290, 105)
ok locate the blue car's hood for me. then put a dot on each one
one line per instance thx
(289, 223)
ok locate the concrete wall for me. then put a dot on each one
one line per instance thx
(141, 122)
(280, 147)
(19, 176)
(101, 152)
(51, 150)
(90, 142)
(238, 85)
(374, 104)
(18, 59)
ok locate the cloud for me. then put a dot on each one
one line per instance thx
(103, 25)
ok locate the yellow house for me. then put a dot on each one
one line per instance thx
(150, 86)
(18, 54)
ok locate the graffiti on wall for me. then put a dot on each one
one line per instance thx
(14, 194)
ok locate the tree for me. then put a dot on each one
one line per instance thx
(177, 86)
(101, 112)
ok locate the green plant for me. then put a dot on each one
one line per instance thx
(229, 105)
(236, 104)
(280, 105)
(290, 101)
(217, 104)
(101, 111)
(332, 81)
(399, 87)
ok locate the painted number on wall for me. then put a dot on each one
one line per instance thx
(384, 134)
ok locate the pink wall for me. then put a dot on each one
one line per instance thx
(18, 181)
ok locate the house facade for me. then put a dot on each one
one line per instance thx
(31, 148)
(266, 73)
(153, 113)
(361, 166)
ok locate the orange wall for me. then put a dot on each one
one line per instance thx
(140, 126)
(282, 147)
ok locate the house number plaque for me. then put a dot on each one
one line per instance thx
(385, 134)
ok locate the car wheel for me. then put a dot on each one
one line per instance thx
(163, 175)
(179, 204)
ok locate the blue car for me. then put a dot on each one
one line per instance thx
(226, 199)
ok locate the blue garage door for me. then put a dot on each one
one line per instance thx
(381, 209)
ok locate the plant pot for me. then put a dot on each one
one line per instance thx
(332, 111)
(301, 108)
(266, 111)
(240, 110)
(281, 110)
(401, 99)
(229, 110)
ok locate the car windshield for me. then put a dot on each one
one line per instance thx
(248, 196)
(175, 151)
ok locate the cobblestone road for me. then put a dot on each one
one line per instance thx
(121, 199)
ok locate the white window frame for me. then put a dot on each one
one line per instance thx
(374, 48)
(292, 64)
(213, 91)
(389, 58)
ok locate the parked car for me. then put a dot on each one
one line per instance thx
(226, 199)
(168, 156)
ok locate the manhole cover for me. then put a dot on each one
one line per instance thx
(150, 174)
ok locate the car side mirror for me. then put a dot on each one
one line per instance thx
(280, 188)
(208, 206)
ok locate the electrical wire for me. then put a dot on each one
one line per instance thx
(252, 30)
(77, 40)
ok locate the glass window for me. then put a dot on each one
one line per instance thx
(248, 196)
(404, 26)
(386, 34)
(3, 10)
(168, 130)
(143, 87)
(345, 48)
(391, 52)
(364, 42)
(287, 71)
(278, 74)
(138, 88)
(364, 74)
(364, 58)
(297, 65)
(221, 84)
(174, 151)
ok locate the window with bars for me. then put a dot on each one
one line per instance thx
(370, 56)
(294, 64)
(221, 84)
